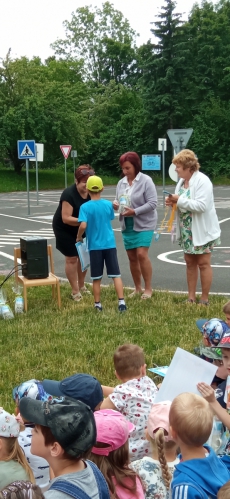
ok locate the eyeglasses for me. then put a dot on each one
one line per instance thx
(86, 172)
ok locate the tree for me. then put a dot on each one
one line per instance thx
(163, 72)
(102, 39)
(115, 121)
(43, 102)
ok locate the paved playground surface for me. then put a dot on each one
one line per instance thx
(167, 258)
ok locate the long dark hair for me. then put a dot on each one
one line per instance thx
(115, 465)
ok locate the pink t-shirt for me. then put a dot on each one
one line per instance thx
(134, 400)
(123, 493)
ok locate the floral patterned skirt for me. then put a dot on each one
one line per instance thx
(185, 240)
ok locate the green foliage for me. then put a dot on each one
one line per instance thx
(103, 39)
(42, 102)
(104, 96)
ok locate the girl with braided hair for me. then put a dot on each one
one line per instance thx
(156, 470)
(21, 490)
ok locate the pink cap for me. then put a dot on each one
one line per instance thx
(159, 418)
(113, 429)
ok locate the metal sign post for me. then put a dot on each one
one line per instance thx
(27, 185)
(162, 146)
(27, 150)
(37, 174)
(39, 148)
(74, 155)
(65, 151)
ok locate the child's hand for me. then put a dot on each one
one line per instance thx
(207, 392)
(79, 240)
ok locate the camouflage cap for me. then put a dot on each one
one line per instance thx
(71, 422)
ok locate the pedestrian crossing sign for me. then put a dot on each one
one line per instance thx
(26, 149)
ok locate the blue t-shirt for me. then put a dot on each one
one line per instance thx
(98, 215)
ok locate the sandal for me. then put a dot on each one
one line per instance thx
(190, 300)
(76, 297)
(134, 293)
(204, 302)
(85, 290)
(145, 296)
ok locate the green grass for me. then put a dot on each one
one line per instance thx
(51, 343)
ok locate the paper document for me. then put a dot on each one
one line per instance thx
(183, 374)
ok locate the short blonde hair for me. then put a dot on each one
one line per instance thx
(128, 360)
(226, 308)
(191, 418)
(224, 491)
(187, 159)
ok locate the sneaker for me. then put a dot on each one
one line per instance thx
(98, 308)
(122, 308)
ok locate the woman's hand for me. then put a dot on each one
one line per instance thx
(115, 205)
(129, 212)
(168, 201)
(174, 198)
(207, 392)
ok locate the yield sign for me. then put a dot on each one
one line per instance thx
(179, 137)
(65, 150)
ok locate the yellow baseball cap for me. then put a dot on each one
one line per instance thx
(94, 184)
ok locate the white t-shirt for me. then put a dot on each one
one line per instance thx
(134, 400)
(39, 466)
(150, 472)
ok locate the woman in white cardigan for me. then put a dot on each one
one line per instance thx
(198, 229)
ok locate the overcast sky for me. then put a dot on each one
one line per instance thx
(30, 26)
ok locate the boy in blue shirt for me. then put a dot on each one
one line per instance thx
(200, 473)
(95, 219)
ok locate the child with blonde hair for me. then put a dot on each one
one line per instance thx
(134, 395)
(13, 463)
(111, 455)
(200, 473)
(156, 470)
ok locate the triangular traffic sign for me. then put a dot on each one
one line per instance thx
(65, 150)
(179, 137)
(27, 151)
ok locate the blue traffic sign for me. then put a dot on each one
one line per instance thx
(151, 162)
(26, 149)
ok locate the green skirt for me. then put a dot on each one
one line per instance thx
(133, 239)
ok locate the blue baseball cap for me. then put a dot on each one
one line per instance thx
(32, 389)
(83, 387)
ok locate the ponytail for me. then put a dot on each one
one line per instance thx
(160, 443)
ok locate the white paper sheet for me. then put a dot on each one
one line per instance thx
(183, 374)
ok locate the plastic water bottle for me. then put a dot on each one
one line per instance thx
(19, 305)
(7, 312)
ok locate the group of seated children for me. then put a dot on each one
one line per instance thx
(79, 444)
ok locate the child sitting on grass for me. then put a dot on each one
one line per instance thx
(64, 433)
(209, 394)
(95, 217)
(156, 470)
(111, 455)
(212, 332)
(34, 390)
(200, 473)
(133, 397)
(13, 463)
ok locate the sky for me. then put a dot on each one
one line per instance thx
(28, 27)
